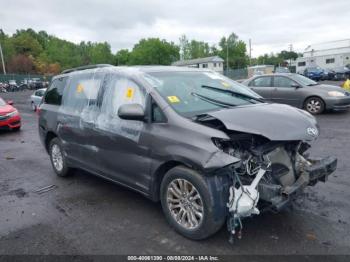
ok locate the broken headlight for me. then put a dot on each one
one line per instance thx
(223, 144)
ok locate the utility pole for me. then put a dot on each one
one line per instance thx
(250, 51)
(2, 60)
(226, 55)
(290, 58)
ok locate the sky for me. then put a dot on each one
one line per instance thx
(272, 25)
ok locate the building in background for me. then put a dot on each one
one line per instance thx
(214, 63)
(328, 55)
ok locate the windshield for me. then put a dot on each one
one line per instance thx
(193, 93)
(2, 102)
(282, 70)
(303, 80)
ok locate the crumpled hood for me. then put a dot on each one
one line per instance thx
(276, 122)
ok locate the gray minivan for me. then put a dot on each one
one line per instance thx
(205, 146)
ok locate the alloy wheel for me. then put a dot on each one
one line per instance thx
(314, 106)
(185, 203)
(57, 158)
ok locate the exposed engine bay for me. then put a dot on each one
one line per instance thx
(268, 175)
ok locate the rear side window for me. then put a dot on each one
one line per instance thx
(281, 81)
(82, 91)
(55, 91)
(261, 82)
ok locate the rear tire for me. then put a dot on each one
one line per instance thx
(191, 212)
(58, 159)
(314, 105)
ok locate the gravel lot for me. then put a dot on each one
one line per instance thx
(87, 215)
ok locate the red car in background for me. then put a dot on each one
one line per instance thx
(9, 116)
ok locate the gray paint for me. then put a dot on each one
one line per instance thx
(273, 121)
(297, 96)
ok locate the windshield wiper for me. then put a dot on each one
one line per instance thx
(213, 101)
(233, 93)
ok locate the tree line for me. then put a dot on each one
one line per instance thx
(28, 51)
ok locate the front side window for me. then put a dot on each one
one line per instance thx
(55, 91)
(192, 93)
(281, 81)
(264, 81)
(118, 91)
(40, 93)
(157, 114)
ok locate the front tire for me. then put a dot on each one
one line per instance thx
(188, 204)
(58, 159)
(314, 105)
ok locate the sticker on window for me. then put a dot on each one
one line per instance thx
(129, 92)
(225, 84)
(173, 99)
(80, 88)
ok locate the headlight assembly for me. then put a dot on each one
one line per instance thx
(336, 93)
(13, 113)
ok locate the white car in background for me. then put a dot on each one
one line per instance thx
(36, 97)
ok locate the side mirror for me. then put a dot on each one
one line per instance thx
(131, 112)
(10, 102)
(296, 86)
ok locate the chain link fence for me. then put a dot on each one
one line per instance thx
(237, 74)
(21, 78)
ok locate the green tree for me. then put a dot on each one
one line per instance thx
(153, 51)
(100, 53)
(235, 49)
(185, 51)
(195, 49)
(7, 48)
(122, 57)
(24, 43)
(286, 55)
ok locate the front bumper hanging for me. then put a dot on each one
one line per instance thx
(279, 197)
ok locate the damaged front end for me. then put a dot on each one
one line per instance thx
(269, 174)
(270, 141)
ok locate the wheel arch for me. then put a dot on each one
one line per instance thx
(311, 96)
(159, 174)
(49, 136)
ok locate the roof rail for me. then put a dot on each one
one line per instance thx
(85, 67)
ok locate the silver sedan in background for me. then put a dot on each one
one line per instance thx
(36, 97)
(299, 91)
